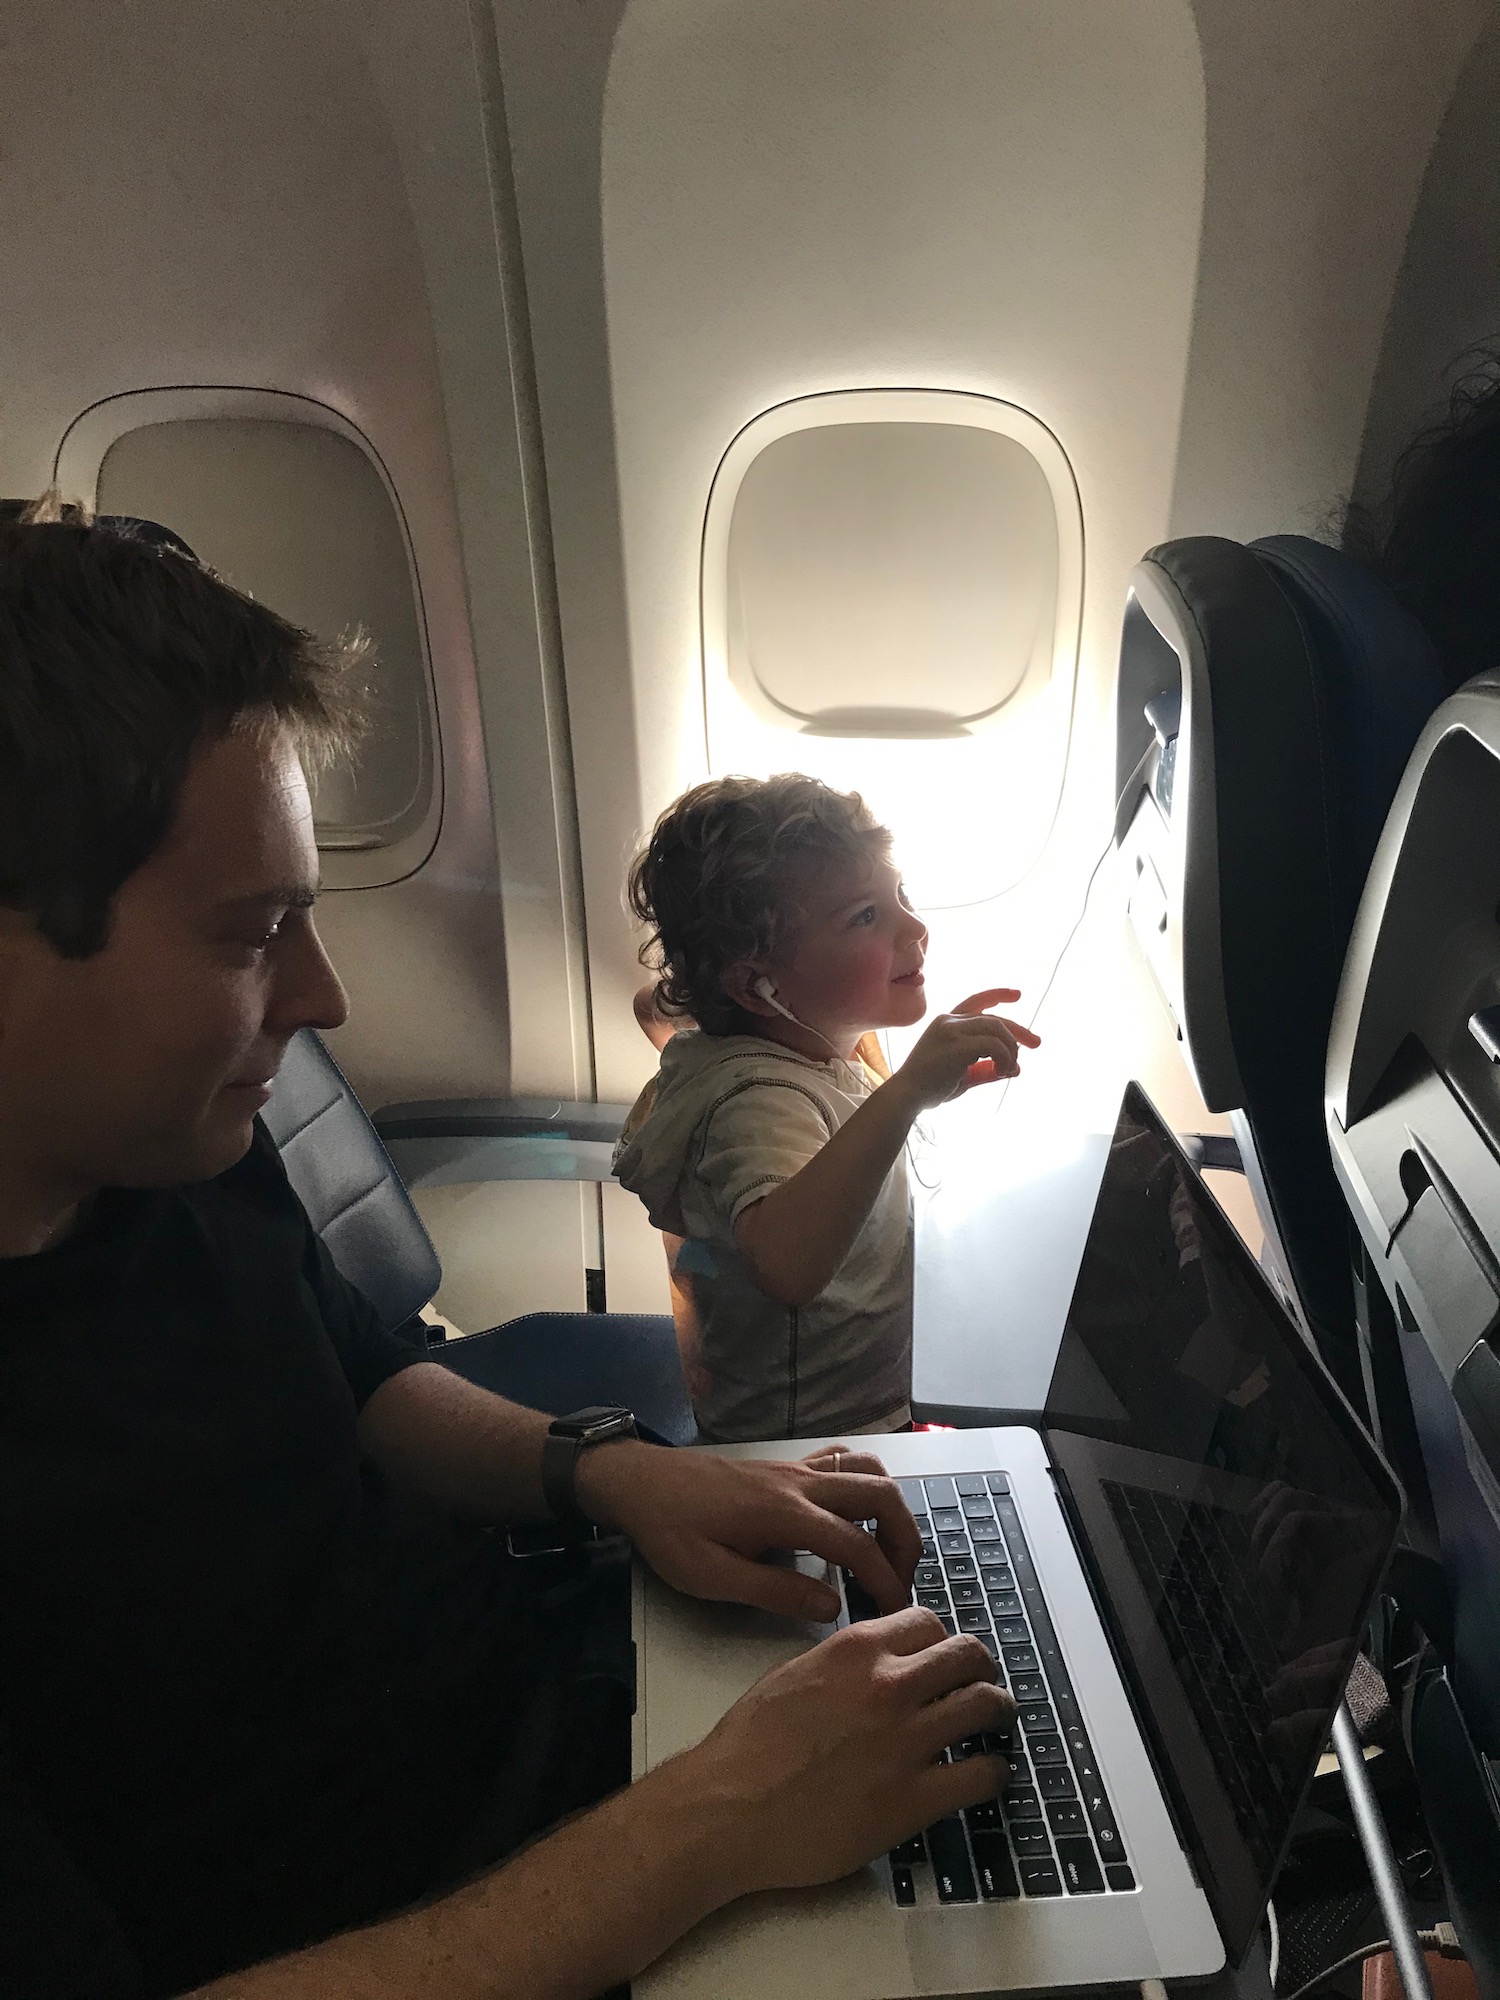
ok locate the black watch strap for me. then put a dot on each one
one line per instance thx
(567, 1439)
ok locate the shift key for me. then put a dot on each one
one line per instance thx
(949, 1853)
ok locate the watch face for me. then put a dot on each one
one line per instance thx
(601, 1421)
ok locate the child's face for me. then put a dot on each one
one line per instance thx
(856, 962)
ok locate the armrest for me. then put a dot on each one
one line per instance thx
(1210, 1151)
(440, 1142)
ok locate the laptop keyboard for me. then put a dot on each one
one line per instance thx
(1052, 1832)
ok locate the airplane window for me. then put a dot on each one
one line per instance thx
(891, 598)
(298, 516)
(891, 579)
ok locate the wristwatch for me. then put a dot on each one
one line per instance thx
(567, 1438)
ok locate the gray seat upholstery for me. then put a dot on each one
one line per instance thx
(549, 1361)
(335, 1160)
(1413, 1115)
(1283, 689)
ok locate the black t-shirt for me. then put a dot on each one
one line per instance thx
(247, 1693)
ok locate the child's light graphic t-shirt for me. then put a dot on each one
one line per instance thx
(727, 1119)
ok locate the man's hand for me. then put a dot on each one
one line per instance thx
(965, 1047)
(705, 1523)
(831, 1759)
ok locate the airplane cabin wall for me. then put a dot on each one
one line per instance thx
(1447, 297)
(302, 200)
(549, 259)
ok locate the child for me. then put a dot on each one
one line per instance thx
(780, 925)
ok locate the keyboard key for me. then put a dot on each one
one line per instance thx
(912, 1494)
(1020, 1803)
(1062, 1698)
(950, 1862)
(1029, 1687)
(922, 1524)
(967, 1593)
(959, 1567)
(1016, 1772)
(985, 1815)
(1030, 1837)
(1003, 1603)
(929, 1576)
(969, 1484)
(987, 1640)
(974, 1618)
(947, 1624)
(1020, 1659)
(1040, 1878)
(1046, 1750)
(910, 1850)
(948, 1520)
(933, 1600)
(978, 1510)
(1056, 1784)
(1083, 1758)
(953, 1545)
(1108, 1836)
(1066, 1816)
(984, 1531)
(1036, 1715)
(929, 1549)
(996, 1571)
(1080, 1871)
(993, 1866)
(998, 1482)
(1118, 1875)
(903, 1886)
(1013, 1632)
(942, 1493)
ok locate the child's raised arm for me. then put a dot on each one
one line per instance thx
(798, 1236)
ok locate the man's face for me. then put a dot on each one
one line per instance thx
(144, 1065)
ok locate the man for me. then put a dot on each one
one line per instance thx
(265, 1691)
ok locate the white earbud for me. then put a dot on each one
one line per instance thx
(767, 992)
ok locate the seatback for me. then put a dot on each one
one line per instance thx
(1268, 698)
(344, 1177)
(1413, 1115)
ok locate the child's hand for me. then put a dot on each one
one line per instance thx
(964, 1048)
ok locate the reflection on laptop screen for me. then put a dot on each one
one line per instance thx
(1235, 1518)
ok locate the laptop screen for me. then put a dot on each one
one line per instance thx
(1235, 1519)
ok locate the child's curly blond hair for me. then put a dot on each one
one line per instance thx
(721, 879)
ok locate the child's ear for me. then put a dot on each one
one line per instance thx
(739, 982)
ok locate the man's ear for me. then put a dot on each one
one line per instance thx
(739, 981)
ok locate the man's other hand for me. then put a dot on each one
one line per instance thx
(706, 1524)
(832, 1759)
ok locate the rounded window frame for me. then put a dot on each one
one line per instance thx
(964, 408)
(361, 859)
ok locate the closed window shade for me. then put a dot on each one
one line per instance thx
(297, 516)
(891, 579)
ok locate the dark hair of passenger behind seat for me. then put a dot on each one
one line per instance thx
(119, 656)
(1435, 538)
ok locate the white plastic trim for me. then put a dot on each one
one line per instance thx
(367, 861)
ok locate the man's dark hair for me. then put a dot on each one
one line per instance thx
(1435, 540)
(719, 881)
(118, 659)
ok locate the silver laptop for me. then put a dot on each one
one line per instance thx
(1171, 1572)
